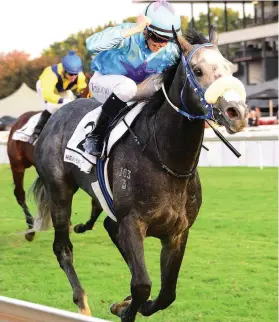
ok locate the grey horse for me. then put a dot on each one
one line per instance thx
(162, 195)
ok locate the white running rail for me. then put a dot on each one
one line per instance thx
(12, 310)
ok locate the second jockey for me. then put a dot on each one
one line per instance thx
(55, 87)
(126, 57)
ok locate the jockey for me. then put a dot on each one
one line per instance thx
(54, 87)
(126, 56)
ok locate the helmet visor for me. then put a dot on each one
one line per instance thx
(72, 74)
(157, 38)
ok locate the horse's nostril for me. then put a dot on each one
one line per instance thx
(232, 113)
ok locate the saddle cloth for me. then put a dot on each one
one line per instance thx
(76, 154)
(23, 134)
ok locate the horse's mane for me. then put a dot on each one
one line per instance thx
(195, 37)
(155, 101)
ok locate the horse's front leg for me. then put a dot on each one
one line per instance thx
(128, 236)
(96, 210)
(171, 258)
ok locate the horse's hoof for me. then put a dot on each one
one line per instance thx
(30, 236)
(84, 312)
(85, 309)
(118, 308)
(79, 229)
(129, 298)
(145, 308)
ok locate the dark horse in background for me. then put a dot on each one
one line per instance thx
(6, 122)
(21, 156)
(162, 195)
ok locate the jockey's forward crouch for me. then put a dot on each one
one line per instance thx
(55, 87)
(128, 57)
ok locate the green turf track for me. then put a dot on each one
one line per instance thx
(229, 272)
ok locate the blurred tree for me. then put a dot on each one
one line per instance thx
(34, 68)
(184, 24)
(16, 68)
(217, 17)
(131, 19)
(12, 62)
(75, 42)
(11, 69)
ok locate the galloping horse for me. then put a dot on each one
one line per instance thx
(21, 157)
(162, 194)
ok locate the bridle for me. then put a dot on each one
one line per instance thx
(190, 76)
(200, 92)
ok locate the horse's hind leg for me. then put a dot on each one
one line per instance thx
(18, 176)
(171, 258)
(128, 236)
(95, 213)
(60, 207)
(112, 229)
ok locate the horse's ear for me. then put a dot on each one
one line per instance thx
(213, 35)
(184, 45)
(175, 38)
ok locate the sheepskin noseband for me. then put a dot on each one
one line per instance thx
(228, 87)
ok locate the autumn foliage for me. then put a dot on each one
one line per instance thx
(16, 68)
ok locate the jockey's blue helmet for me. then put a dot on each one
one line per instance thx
(162, 17)
(72, 63)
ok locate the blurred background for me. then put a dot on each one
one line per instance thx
(231, 265)
(248, 37)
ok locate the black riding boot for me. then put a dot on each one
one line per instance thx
(39, 127)
(94, 140)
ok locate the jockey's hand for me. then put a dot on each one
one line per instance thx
(142, 22)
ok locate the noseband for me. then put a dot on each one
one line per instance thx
(190, 76)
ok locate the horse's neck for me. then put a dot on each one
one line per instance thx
(179, 140)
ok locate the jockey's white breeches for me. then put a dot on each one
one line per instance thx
(52, 107)
(102, 86)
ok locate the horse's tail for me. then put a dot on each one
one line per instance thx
(43, 219)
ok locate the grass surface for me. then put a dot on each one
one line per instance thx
(229, 272)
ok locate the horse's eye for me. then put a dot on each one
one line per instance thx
(198, 72)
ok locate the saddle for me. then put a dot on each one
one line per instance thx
(77, 155)
(23, 134)
(75, 152)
